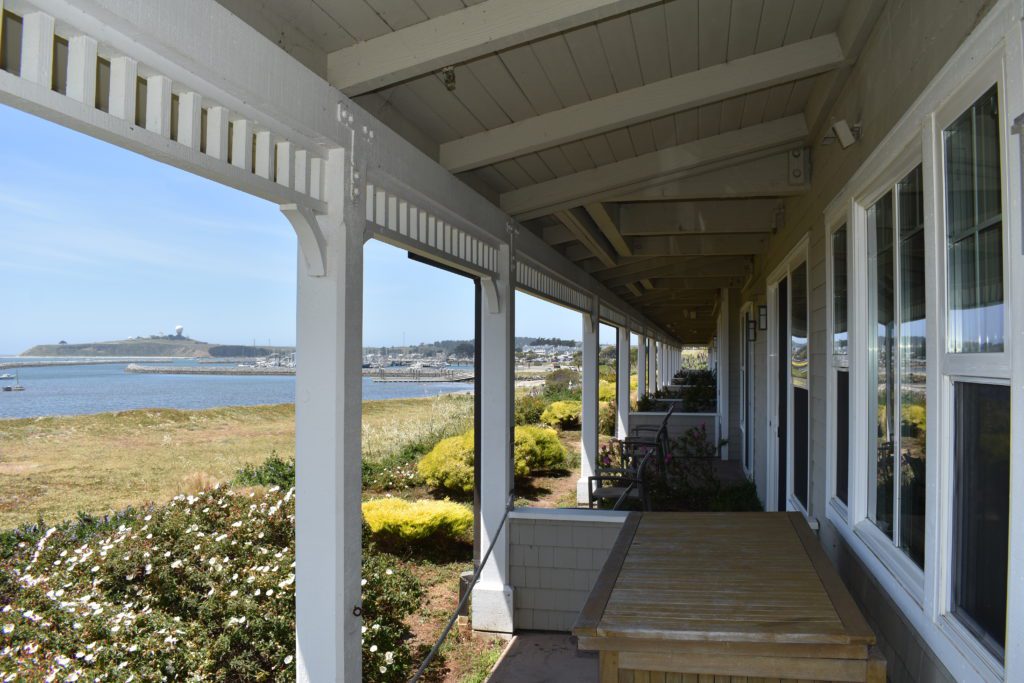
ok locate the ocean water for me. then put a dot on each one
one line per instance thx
(86, 389)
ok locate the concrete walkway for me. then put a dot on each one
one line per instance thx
(535, 657)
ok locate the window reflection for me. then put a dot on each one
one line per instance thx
(975, 228)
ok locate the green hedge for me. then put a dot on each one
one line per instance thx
(449, 466)
(563, 414)
(396, 519)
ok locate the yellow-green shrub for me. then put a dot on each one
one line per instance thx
(537, 448)
(396, 519)
(605, 391)
(563, 414)
(449, 465)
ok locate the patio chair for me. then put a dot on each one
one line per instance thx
(625, 483)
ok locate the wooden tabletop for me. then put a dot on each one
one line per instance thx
(748, 579)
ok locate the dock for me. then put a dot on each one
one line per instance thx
(207, 370)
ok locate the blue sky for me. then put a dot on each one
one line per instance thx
(99, 243)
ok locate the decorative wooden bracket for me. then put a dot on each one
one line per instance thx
(490, 291)
(311, 238)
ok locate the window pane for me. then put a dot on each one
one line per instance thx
(799, 326)
(839, 303)
(975, 230)
(913, 366)
(880, 232)
(843, 436)
(799, 363)
(982, 456)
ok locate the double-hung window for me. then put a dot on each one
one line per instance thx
(898, 364)
(980, 392)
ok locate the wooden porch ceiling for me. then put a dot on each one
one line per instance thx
(650, 141)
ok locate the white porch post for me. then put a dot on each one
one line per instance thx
(328, 410)
(589, 441)
(641, 366)
(492, 595)
(652, 366)
(622, 385)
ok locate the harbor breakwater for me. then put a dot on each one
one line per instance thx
(205, 370)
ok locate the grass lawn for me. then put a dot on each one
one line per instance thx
(58, 466)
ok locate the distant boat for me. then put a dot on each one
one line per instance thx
(7, 376)
(16, 386)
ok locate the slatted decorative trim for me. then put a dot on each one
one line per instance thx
(397, 220)
(534, 280)
(62, 73)
(612, 315)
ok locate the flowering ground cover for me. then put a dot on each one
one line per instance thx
(199, 589)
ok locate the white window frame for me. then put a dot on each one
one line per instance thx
(833, 222)
(744, 418)
(798, 255)
(991, 54)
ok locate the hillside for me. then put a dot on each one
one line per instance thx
(171, 347)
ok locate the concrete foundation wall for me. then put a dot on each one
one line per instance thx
(555, 558)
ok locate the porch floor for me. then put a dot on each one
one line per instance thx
(545, 658)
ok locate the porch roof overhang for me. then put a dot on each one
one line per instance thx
(656, 167)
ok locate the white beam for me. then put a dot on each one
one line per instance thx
(124, 74)
(622, 383)
(700, 217)
(217, 123)
(82, 70)
(580, 226)
(492, 595)
(644, 103)
(641, 366)
(557, 234)
(698, 245)
(460, 36)
(37, 48)
(158, 105)
(577, 188)
(606, 217)
(589, 415)
(190, 120)
(767, 176)
(242, 144)
(328, 480)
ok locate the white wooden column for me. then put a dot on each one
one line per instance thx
(652, 366)
(492, 595)
(588, 438)
(328, 409)
(641, 366)
(622, 384)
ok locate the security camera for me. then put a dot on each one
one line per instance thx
(844, 133)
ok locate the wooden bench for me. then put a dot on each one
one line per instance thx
(730, 596)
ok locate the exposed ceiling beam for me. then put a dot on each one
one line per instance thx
(580, 225)
(716, 216)
(730, 268)
(854, 29)
(681, 284)
(557, 234)
(633, 289)
(578, 188)
(698, 245)
(647, 284)
(460, 36)
(645, 103)
(606, 217)
(767, 176)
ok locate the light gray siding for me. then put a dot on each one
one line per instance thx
(555, 557)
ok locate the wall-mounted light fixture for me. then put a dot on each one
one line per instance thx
(751, 331)
(762, 317)
(843, 133)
